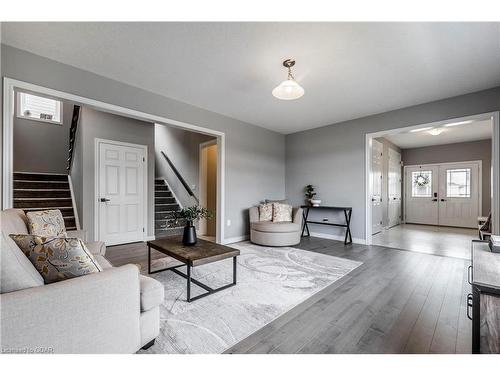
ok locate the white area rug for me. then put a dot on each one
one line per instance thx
(270, 282)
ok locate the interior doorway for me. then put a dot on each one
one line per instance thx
(208, 188)
(439, 181)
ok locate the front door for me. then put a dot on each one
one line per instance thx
(459, 194)
(422, 187)
(376, 178)
(121, 192)
(394, 188)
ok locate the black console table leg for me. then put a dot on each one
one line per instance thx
(305, 215)
(347, 214)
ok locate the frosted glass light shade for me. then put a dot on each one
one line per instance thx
(288, 90)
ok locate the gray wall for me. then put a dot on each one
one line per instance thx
(40, 146)
(95, 124)
(255, 157)
(465, 151)
(182, 147)
(333, 157)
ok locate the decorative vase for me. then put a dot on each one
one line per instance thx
(315, 202)
(189, 236)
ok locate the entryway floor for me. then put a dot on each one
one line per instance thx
(444, 241)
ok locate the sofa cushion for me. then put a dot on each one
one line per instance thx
(282, 212)
(13, 220)
(48, 223)
(103, 262)
(275, 227)
(96, 247)
(152, 293)
(266, 212)
(57, 258)
(16, 271)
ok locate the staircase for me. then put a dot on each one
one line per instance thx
(44, 191)
(165, 206)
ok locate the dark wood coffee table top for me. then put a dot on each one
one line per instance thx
(202, 253)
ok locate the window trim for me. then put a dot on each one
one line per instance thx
(22, 116)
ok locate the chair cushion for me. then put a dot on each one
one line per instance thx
(282, 212)
(152, 293)
(48, 223)
(275, 227)
(57, 258)
(96, 247)
(266, 212)
(16, 271)
(13, 220)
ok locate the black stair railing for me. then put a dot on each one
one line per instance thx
(179, 176)
(72, 135)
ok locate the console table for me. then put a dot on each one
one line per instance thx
(347, 214)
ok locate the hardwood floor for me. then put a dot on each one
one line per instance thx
(395, 302)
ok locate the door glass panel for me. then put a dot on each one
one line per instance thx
(458, 183)
(421, 184)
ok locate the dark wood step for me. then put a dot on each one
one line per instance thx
(166, 207)
(165, 200)
(39, 193)
(168, 232)
(66, 211)
(40, 176)
(26, 184)
(161, 188)
(69, 222)
(164, 215)
(163, 194)
(42, 203)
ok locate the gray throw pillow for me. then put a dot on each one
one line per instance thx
(57, 258)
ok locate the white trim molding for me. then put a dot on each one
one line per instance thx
(8, 125)
(230, 240)
(336, 237)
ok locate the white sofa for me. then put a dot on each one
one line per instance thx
(114, 311)
(268, 233)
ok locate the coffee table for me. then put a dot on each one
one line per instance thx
(203, 252)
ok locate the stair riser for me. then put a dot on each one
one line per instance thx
(68, 223)
(39, 177)
(43, 203)
(165, 200)
(40, 185)
(42, 194)
(64, 211)
(163, 194)
(166, 207)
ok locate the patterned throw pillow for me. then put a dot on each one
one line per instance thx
(265, 212)
(48, 223)
(282, 212)
(57, 258)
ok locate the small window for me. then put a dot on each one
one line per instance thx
(421, 184)
(458, 183)
(39, 108)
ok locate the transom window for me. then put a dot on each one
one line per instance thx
(39, 108)
(458, 183)
(421, 184)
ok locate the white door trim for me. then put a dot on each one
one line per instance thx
(494, 117)
(97, 180)
(9, 85)
(201, 181)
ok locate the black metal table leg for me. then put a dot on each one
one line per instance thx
(149, 259)
(348, 227)
(305, 215)
(188, 277)
(234, 270)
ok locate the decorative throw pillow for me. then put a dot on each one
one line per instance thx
(265, 212)
(48, 223)
(57, 258)
(282, 212)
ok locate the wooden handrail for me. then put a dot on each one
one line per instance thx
(179, 176)
(72, 136)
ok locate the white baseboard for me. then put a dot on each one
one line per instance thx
(149, 238)
(235, 239)
(337, 237)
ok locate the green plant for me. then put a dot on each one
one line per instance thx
(193, 213)
(309, 192)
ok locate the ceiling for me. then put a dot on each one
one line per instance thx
(473, 131)
(348, 70)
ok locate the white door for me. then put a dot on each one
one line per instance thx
(421, 196)
(394, 188)
(459, 194)
(121, 192)
(376, 178)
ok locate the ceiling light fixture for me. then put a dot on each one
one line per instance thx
(436, 131)
(289, 89)
(420, 130)
(458, 123)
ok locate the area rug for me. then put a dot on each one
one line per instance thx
(270, 282)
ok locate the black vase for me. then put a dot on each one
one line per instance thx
(189, 236)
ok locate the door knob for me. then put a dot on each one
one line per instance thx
(105, 200)
(434, 200)
(443, 200)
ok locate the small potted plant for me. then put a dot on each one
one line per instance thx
(190, 215)
(309, 194)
